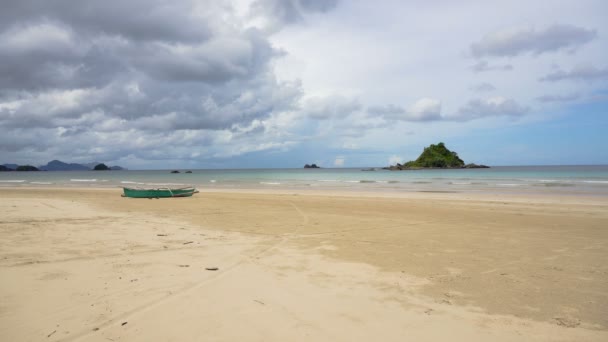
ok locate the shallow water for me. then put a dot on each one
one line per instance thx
(590, 180)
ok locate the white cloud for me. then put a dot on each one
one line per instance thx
(586, 73)
(516, 41)
(493, 106)
(392, 160)
(339, 161)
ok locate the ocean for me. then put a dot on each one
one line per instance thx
(586, 180)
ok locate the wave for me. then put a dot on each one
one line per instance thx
(595, 181)
(163, 183)
(42, 183)
(212, 181)
(556, 184)
(328, 180)
(12, 181)
(509, 184)
(270, 183)
(460, 183)
(129, 182)
(83, 180)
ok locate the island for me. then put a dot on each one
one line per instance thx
(313, 166)
(101, 167)
(436, 157)
(26, 168)
(56, 165)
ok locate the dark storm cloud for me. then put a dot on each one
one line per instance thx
(122, 78)
(585, 73)
(164, 20)
(509, 43)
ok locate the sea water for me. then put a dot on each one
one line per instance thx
(589, 180)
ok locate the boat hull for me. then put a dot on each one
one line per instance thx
(158, 193)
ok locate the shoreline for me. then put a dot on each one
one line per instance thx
(352, 266)
(482, 196)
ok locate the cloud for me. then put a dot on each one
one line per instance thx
(339, 161)
(518, 41)
(322, 108)
(392, 160)
(558, 98)
(585, 73)
(482, 87)
(274, 14)
(490, 107)
(424, 109)
(483, 66)
(125, 79)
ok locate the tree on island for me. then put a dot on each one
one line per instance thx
(26, 168)
(101, 167)
(436, 157)
(313, 166)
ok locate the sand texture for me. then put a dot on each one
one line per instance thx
(88, 265)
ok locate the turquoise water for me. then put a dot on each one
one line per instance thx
(591, 180)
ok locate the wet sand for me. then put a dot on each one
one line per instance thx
(89, 265)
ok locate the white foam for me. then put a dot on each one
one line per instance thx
(509, 184)
(461, 183)
(163, 183)
(270, 183)
(83, 180)
(212, 181)
(328, 180)
(44, 183)
(595, 182)
(12, 181)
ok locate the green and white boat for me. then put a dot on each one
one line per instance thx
(159, 192)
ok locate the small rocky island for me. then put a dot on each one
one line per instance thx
(313, 166)
(436, 157)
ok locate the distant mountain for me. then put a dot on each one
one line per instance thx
(57, 165)
(11, 166)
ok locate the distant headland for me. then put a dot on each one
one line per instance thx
(436, 157)
(313, 166)
(57, 165)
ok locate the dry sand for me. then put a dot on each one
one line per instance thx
(88, 265)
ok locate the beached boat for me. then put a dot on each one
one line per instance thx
(158, 192)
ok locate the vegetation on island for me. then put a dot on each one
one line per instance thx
(435, 157)
(101, 167)
(26, 168)
(313, 166)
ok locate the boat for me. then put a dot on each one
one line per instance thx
(158, 192)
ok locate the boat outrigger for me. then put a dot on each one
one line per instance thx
(159, 192)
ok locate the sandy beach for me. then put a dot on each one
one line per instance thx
(88, 265)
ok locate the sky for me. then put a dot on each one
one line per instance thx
(155, 84)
